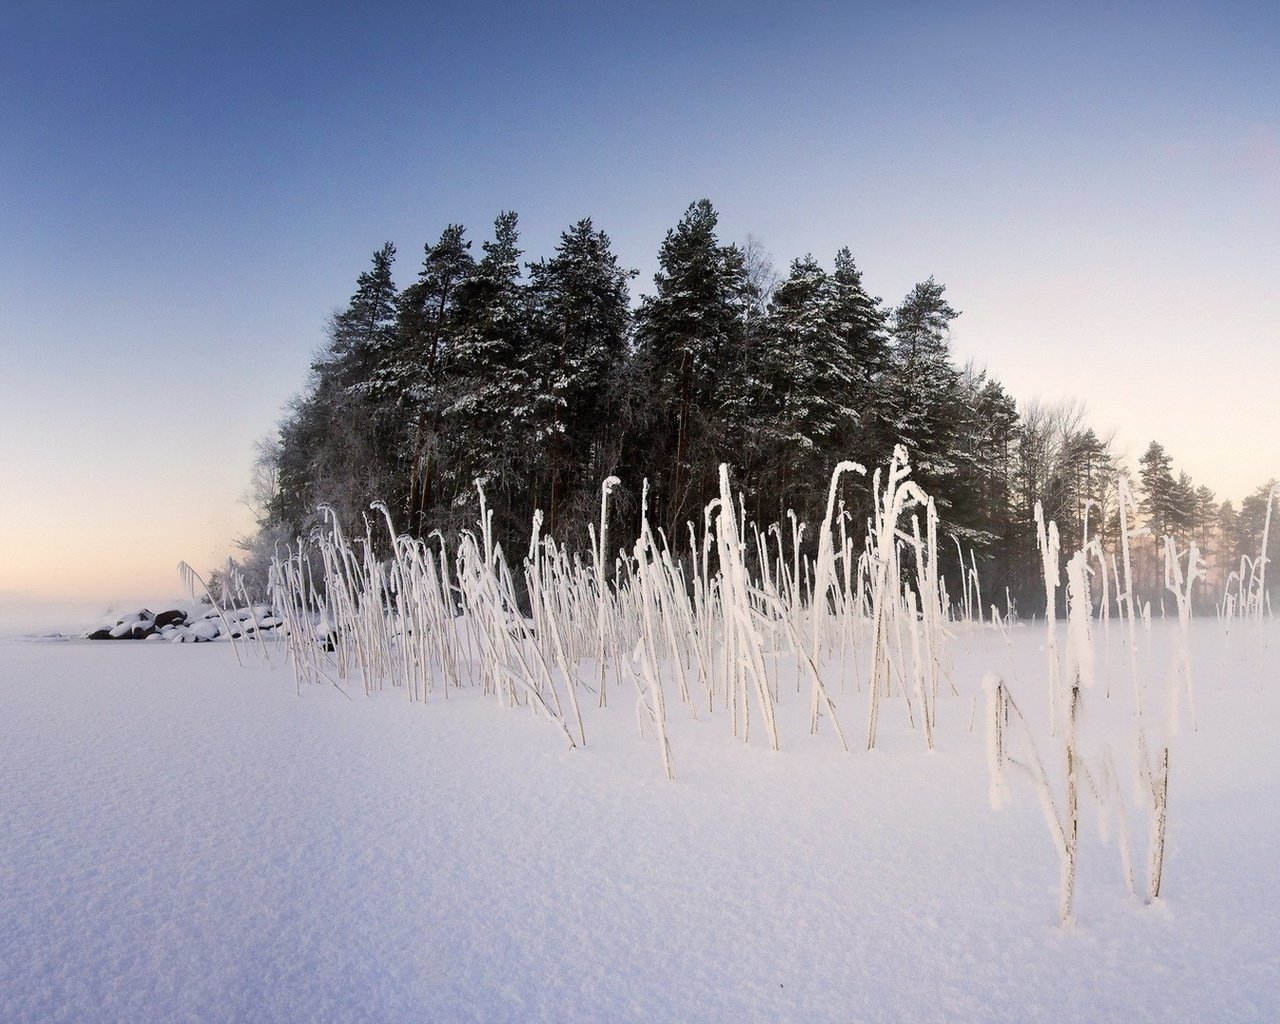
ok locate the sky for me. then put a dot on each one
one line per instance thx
(188, 191)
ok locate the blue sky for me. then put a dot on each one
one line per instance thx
(185, 193)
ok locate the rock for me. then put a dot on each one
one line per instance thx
(203, 631)
(134, 626)
(178, 626)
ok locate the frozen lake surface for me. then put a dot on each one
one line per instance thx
(181, 839)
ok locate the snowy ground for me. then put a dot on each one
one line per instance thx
(184, 840)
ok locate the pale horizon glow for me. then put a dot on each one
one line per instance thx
(186, 194)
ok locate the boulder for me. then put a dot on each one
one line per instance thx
(133, 626)
(203, 631)
(178, 626)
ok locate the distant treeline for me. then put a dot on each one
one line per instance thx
(540, 380)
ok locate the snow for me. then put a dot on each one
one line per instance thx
(204, 629)
(184, 840)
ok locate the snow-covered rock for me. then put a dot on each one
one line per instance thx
(203, 630)
(178, 626)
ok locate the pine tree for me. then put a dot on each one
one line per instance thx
(336, 446)
(365, 331)
(488, 419)
(579, 318)
(299, 458)
(427, 328)
(861, 322)
(1253, 524)
(1159, 498)
(986, 446)
(806, 389)
(693, 362)
(1182, 511)
(1160, 506)
(1230, 543)
(922, 394)
(1206, 510)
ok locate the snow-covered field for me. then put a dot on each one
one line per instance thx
(181, 839)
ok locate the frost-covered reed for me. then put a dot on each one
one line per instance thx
(733, 622)
(1080, 768)
(711, 626)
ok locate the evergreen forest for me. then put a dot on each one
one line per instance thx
(539, 379)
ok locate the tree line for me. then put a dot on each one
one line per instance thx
(540, 379)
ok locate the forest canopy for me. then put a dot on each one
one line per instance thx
(537, 380)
